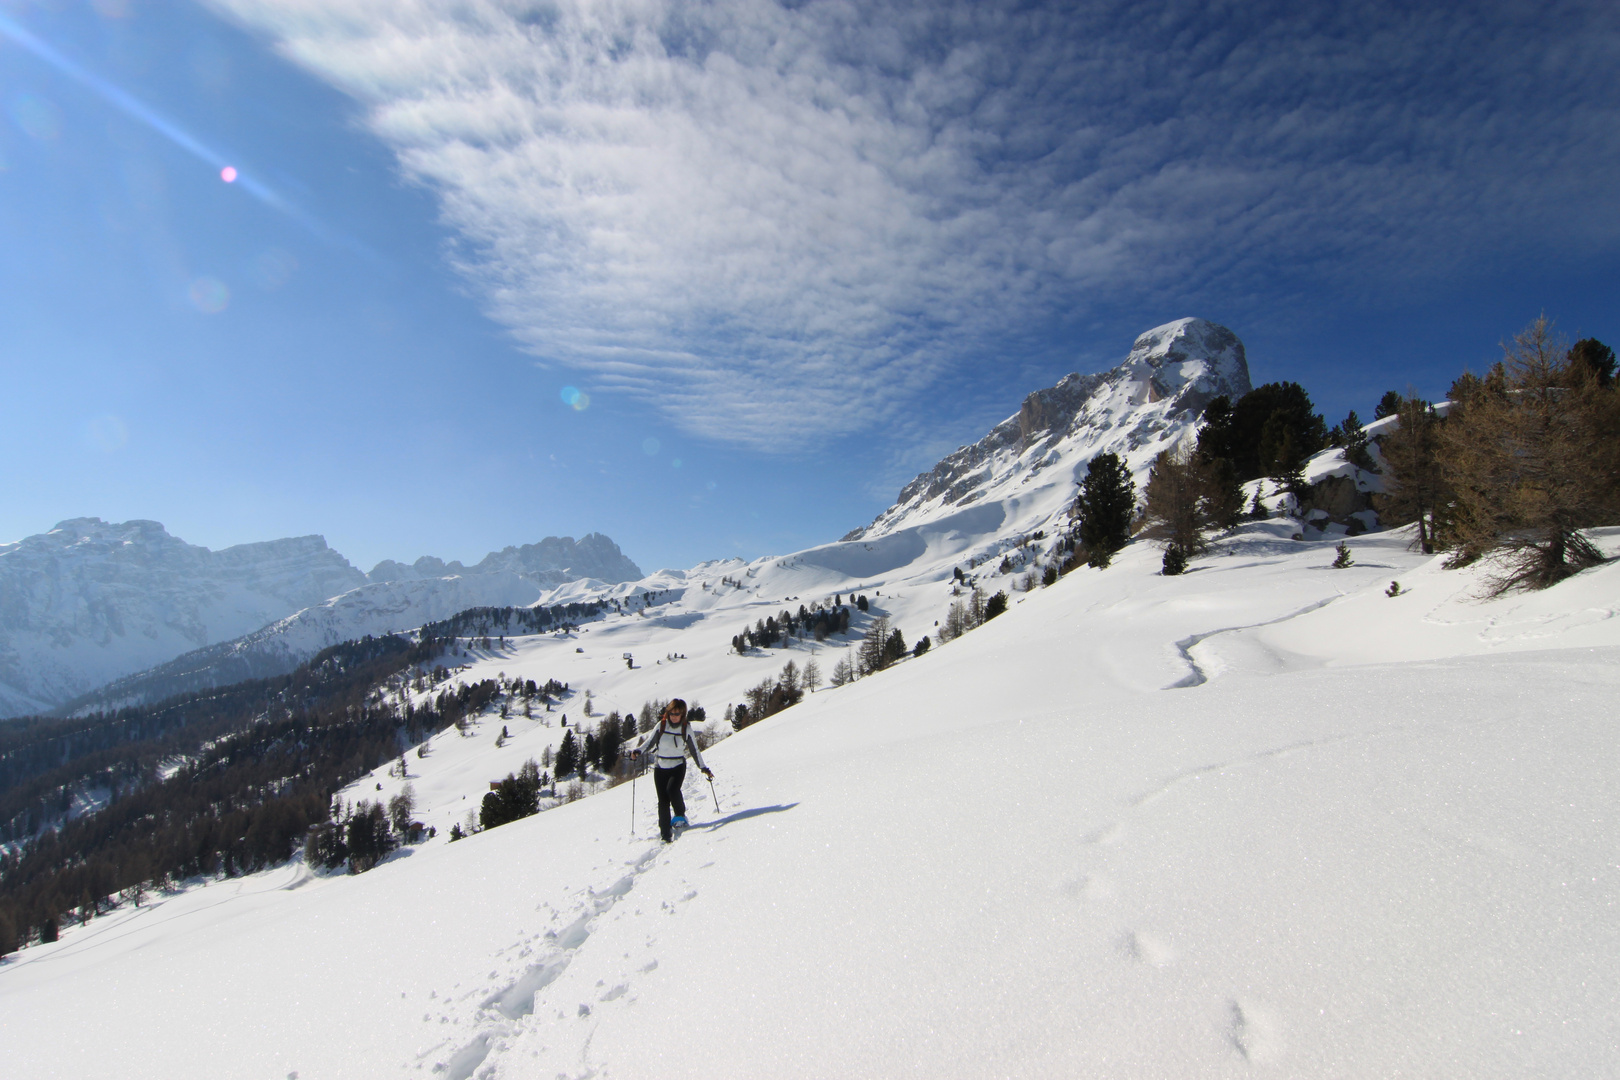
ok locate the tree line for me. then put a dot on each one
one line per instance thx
(1520, 462)
(231, 781)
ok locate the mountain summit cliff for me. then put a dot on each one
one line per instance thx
(1150, 402)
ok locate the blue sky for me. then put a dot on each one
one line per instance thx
(716, 279)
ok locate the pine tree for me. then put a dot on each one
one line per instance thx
(1343, 560)
(1105, 506)
(1175, 561)
(994, 606)
(1355, 444)
(567, 757)
(1595, 357)
(1257, 510)
(894, 647)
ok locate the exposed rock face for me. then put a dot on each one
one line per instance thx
(1151, 401)
(90, 601)
(552, 561)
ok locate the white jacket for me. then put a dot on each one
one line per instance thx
(672, 743)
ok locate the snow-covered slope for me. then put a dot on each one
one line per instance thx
(90, 601)
(1258, 819)
(1029, 463)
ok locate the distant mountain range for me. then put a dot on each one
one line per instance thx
(94, 615)
(90, 602)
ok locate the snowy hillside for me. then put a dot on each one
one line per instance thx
(90, 601)
(1259, 819)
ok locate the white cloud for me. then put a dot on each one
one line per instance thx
(772, 221)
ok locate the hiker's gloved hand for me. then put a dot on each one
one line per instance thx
(708, 775)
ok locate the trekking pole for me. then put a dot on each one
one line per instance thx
(633, 774)
(716, 797)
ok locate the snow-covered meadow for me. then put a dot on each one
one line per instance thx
(1260, 819)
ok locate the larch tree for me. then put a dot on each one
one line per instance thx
(1532, 454)
(1177, 493)
(1415, 490)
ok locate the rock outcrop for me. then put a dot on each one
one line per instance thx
(1151, 401)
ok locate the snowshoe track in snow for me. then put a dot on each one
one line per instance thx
(507, 1005)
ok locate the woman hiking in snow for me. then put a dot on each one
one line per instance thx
(672, 737)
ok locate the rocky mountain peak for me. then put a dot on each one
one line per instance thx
(1151, 400)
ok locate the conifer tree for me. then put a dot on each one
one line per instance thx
(1175, 561)
(842, 672)
(872, 655)
(1105, 506)
(567, 757)
(1532, 458)
(1177, 496)
(1596, 357)
(1355, 444)
(1414, 488)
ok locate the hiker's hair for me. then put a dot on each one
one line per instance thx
(675, 704)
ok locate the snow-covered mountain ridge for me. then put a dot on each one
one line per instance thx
(1029, 462)
(552, 561)
(91, 602)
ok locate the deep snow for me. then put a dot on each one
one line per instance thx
(1260, 819)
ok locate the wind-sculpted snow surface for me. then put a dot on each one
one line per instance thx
(1374, 839)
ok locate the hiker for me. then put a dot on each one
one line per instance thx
(672, 737)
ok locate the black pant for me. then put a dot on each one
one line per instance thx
(667, 782)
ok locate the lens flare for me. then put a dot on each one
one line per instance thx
(210, 295)
(38, 118)
(649, 446)
(675, 463)
(575, 398)
(228, 174)
(273, 268)
(107, 433)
